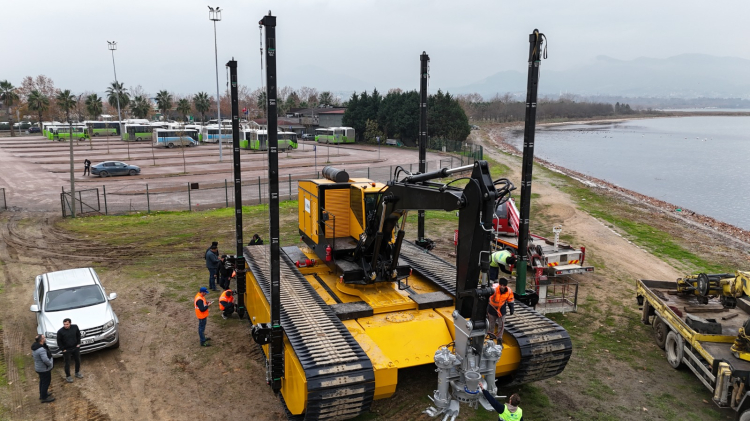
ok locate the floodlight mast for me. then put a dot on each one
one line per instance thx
(112, 45)
(215, 16)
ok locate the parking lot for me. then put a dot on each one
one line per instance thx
(35, 169)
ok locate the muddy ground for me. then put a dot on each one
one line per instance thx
(159, 372)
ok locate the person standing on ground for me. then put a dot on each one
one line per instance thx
(43, 366)
(501, 261)
(69, 341)
(86, 167)
(226, 304)
(224, 273)
(255, 241)
(201, 311)
(509, 412)
(212, 264)
(496, 308)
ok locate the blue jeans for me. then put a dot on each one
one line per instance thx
(201, 329)
(212, 278)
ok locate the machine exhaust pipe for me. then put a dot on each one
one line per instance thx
(335, 175)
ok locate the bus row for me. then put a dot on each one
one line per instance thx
(251, 138)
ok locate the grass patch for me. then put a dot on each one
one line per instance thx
(657, 241)
(19, 361)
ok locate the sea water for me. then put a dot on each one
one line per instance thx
(697, 163)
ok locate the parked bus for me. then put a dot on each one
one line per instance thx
(257, 140)
(210, 134)
(335, 135)
(103, 128)
(47, 126)
(138, 132)
(170, 137)
(63, 132)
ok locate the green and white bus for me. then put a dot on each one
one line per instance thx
(257, 140)
(335, 135)
(170, 138)
(63, 132)
(103, 128)
(138, 132)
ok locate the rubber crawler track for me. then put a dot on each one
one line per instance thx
(340, 377)
(545, 346)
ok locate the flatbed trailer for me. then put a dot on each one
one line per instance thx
(682, 327)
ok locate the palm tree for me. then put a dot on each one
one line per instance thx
(9, 96)
(66, 101)
(164, 102)
(140, 107)
(183, 107)
(38, 102)
(116, 89)
(202, 104)
(94, 106)
(326, 98)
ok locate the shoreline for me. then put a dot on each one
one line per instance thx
(728, 231)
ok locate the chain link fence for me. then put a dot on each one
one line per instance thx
(130, 198)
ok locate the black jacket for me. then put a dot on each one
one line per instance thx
(68, 339)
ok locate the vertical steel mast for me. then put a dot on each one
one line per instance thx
(269, 22)
(535, 60)
(424, 61)
(240, 261)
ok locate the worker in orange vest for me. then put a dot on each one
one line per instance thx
(496, 310)
(226, 304)
(201, 311)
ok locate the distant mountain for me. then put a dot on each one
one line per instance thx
(684, 76)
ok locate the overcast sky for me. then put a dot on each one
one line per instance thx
(169, 44)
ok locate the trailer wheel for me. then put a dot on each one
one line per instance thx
(674, 349)
(660, 332)
(745, 416)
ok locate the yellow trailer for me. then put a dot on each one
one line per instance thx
(696, 320)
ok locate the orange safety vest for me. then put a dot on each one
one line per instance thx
(225, 297)
(198, 313)
(498, 299)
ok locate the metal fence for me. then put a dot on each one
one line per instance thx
(3, 202)
(87, 202)
(130, 198)
(453, 146)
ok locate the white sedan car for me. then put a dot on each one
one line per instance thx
(76, 294)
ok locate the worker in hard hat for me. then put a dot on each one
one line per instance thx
(500, 302)
(501, 260)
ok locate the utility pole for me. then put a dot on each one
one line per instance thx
(535, 60)
(240, 260)
(215, 16)
(277, 334)
(424, 62)
(112, 47)
(72, 172)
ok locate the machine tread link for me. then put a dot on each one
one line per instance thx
(545, 346)
(340, 376)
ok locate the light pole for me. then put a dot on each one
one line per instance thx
(215, 16)
(112, 45)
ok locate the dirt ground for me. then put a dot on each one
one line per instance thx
(159, 373)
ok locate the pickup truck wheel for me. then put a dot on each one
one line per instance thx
(661, 330)
(745, 416)
(674, 348)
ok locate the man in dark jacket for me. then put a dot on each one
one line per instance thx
(224, 272)
(256, 241)
(86, 167)
(69, 342)
(212, 264)
(43, 366)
